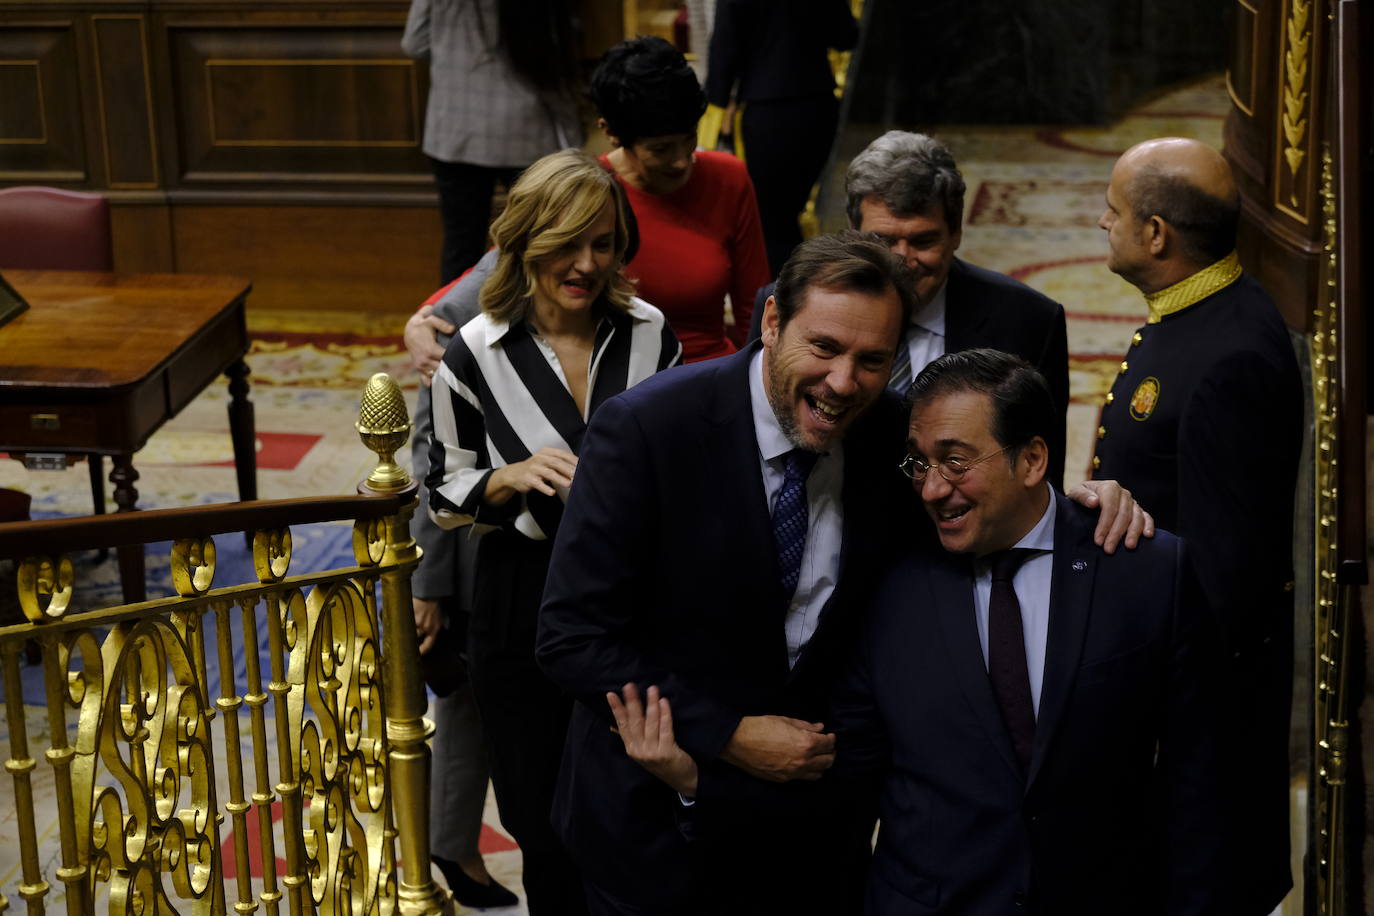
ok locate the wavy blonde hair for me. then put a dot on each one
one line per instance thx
(552, 203)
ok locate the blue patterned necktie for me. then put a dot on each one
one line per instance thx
(790, 518)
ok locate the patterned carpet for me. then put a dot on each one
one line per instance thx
(1033, 201)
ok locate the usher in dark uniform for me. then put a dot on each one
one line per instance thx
(1204, 426)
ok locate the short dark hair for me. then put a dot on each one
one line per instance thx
(644, 87)
(848, 261)
(909, 173)
(1022, 407)
(1206, 224)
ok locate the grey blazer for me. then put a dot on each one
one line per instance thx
(445, 570)
(479, 111)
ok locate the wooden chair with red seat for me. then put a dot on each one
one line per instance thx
(56, 229)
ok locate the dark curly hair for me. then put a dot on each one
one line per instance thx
(645, 88)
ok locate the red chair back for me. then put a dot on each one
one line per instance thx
(54, 229)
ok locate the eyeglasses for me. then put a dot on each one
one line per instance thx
(951, 469)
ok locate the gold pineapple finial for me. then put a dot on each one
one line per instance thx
(384, 427)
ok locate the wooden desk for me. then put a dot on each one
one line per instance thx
(101, 360)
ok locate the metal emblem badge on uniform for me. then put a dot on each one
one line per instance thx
(1145, 397)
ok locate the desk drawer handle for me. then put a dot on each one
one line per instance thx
(45, 421)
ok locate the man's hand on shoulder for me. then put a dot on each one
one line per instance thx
(1122, 520)
(421, 340)
(778, 748)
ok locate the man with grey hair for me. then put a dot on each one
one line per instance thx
(906, 188)
(725, 521)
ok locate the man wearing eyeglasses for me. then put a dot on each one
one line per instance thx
(907, 188)
(723, 525)
(1041, 713)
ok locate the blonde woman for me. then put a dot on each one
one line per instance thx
(559, 333)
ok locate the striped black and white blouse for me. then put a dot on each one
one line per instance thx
(500, 395)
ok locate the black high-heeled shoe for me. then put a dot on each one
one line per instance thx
(470, 892)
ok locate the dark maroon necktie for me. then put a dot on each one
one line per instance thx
(1007, 654)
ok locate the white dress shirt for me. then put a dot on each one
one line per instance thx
(820, 563)
(925, 335)
(1032, 586)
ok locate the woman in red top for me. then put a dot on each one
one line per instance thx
(700, 238)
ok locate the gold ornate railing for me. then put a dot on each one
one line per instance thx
(1331, 612)
(1340, 537)
(151, 764)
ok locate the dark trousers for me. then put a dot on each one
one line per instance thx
(601, 902)
(786, 144)
(459, 769)
(525, 716)
(465, 194)
(813, 859)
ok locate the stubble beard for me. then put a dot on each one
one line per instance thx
(783, 408)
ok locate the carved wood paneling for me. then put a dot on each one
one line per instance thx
(280, 141)
(377, 259)
(1240, 76)
(313, 103)
(41, 130)
(22, 119)
(1287, 265)
(142, 236)
(124, 92)
(1276, 81)
(1296, 160)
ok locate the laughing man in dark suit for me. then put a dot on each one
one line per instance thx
(907, 188)
(725, 520)
(1040, 712)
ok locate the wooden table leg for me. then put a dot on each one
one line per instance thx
(242, 430)
(123, 476)
(97, 467)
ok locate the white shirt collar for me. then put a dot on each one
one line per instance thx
(498, 329)
(772, 442)
(1041, 537)
(931, 316)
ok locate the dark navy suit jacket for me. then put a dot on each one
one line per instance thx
(665, 572)
(1121, 812)
(986, 309)
(1225, 383)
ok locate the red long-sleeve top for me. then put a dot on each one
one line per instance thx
(697, 244)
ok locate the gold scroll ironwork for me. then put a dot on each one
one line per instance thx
(1331, 601)
(154, 767)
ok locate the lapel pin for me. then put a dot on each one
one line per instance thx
(1079, 565)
